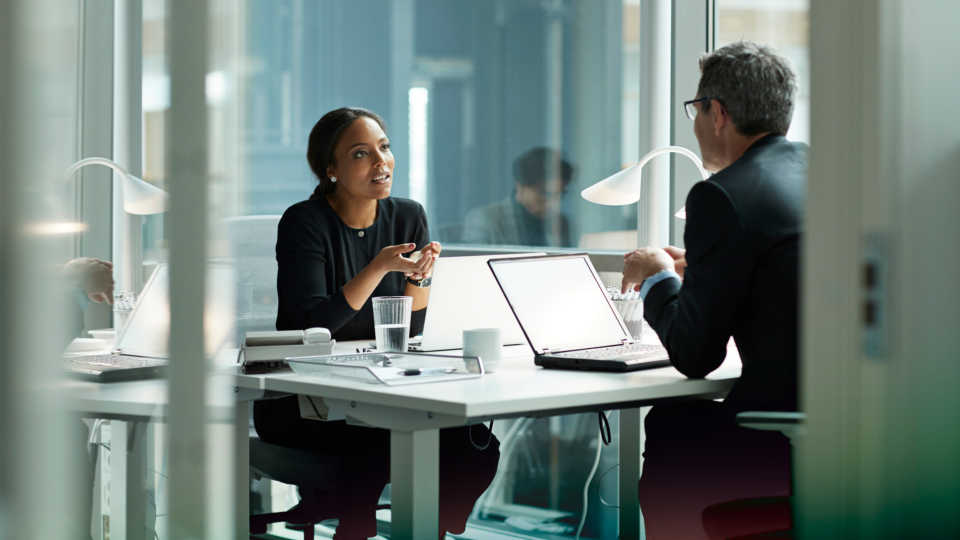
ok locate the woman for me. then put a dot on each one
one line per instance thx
(336, 251)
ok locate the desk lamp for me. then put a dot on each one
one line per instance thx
(623, 187)
(139, 197)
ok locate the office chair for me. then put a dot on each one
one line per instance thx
(253, 242)
(314, 474)
(770, 517)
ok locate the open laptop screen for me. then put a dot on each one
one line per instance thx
(560, 302)
(147, 332)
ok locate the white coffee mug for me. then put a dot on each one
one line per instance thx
(485, 343)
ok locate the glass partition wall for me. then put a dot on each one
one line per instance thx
(485, 101)
(468, 89)
(495, 108)
(785, 24)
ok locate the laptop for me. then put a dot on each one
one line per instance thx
(463, 295)
(563, 309)
(141, 348)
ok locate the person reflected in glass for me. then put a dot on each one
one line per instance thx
(531, 216)
(84, 279)
(336, 251)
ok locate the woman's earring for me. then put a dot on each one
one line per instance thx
(333, 179)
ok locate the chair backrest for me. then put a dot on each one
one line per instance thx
(253, 242)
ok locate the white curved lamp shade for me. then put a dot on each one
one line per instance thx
(142, 198)
(139, 197)
(620, 189)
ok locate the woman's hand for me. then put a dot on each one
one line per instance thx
(391, 259)
(430, 252)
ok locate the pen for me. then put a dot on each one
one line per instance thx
(428, 371)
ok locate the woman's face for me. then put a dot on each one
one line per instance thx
(363, 161)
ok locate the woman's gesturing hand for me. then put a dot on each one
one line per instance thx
(429, 253)
(391, 259)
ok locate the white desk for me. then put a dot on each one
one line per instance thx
(131, 406)
(415, 413)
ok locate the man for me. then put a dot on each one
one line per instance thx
(737, 278)
(84, 279)
(530, 217)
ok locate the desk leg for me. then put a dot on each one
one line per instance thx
(241, 435)
(128, 480)
(415, 480)
(631, 448)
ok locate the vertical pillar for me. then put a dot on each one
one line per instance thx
(187, 226)
(127, 140)
(689, 41)
(415, 484)
(95, 139)
(653, 220)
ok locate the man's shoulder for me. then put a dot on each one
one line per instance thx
(765, 189)
(774, 170)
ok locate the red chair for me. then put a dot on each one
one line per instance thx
(756, 519)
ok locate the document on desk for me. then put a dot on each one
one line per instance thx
(392, 369)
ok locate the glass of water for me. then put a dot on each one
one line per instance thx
(391, 320)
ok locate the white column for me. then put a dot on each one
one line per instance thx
(415, 484)
(653, 221)
(127, 140)
(187, 227)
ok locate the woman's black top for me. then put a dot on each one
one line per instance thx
(318, 254)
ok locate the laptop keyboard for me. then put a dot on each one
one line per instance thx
(612, 352)
(118, 361)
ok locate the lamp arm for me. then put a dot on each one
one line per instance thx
(677, 150)
(666, 150)
(94, 161)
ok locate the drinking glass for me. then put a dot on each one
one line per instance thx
(391, 322)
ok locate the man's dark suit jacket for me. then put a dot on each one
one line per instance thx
(742, 239)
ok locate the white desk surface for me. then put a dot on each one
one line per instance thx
(148, 398)
(517, 387)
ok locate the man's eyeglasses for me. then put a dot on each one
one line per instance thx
(690, 109)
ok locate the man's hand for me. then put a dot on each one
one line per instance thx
(92, 276)
(679, 258)
(643, 263)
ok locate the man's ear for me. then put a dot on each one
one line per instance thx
(719, 116)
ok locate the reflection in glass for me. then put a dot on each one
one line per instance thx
(465, 88)
(531, 215)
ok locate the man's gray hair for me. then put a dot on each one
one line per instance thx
(754, 82)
